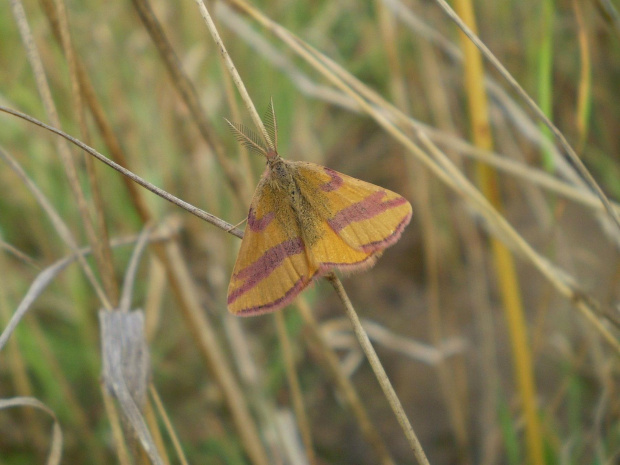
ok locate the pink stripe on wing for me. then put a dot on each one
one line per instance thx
(368, 208)
(334, 183)
(257, 225)
(265, 265)
(277, 304)
(367, 262)
(388, 241)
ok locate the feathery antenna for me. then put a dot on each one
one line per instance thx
(252, 141)
(271, 124)
(247, 138)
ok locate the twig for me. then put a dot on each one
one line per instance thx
(234, 73)
(380, 373)
(208, 217)
(345, 385)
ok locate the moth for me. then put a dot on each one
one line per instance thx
(306, 220)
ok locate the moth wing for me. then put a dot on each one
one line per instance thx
(366, 217)
(332, 252)
(272, 267)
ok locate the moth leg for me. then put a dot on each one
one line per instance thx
(237, 225)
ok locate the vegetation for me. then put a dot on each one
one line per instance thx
(496, 316)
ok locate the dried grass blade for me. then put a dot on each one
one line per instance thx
(126, 370)
(55, 453)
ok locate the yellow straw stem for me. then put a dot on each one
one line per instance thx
(504, 264)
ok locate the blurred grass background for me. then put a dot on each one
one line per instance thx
(466, 405)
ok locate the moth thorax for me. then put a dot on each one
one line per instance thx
(279, 172)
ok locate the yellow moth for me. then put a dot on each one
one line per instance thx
(306, 220)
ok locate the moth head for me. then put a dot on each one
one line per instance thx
(279, 173)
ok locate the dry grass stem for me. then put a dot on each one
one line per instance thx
(55, 453)
(124, 304)
(117, 431)
(135, 178)
(345, 385)
(422, 205)
(105, 127)
(168, 425)
(508, 282)
(99, 234)
(380, 373)
(151, 421)
(286, 350)
(249, 105)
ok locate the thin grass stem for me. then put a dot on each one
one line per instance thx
(168, 425)
(245, 96)
(345, 386)
(286, 350)
(379, 371)
(214, 220)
